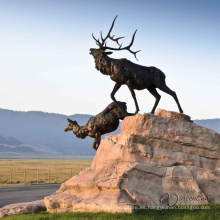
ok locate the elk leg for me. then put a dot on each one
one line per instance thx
(130, 86)
(94, 144)
(115, 89)
(98, 138)
(167, 90)
(154, 92)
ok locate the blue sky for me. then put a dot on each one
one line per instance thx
(46, 66)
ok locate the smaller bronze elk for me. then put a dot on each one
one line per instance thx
(124, 72)
(105, 122)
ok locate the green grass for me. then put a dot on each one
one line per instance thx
(148, 214)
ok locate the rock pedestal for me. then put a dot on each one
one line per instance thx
(22, 208)
(156, 160)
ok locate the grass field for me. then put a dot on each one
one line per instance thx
(32, 171)
(147, 214)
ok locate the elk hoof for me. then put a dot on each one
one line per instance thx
(130, 114)
(95, 148)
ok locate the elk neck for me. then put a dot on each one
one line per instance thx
(80, 131)
(112, 67)
(75, 128)
(103, 64)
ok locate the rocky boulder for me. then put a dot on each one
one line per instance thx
(156, 160)
(22, 208)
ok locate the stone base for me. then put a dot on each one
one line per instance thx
(170, 114)
(154, 161)
(68, 203)
(22, 208)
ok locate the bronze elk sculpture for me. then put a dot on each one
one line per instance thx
(105, 122)
(124, 72)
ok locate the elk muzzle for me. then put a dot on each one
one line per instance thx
(67, 129)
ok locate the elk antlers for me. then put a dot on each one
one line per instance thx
(103, 44)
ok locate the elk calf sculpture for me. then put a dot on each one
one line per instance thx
(124, 72)
(105, 122)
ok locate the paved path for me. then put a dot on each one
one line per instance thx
(16, 194)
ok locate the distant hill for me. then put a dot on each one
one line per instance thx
(213, 124)
(21, 149)
(12, 147)
(9, 140)
(43, 129)
(39, 133)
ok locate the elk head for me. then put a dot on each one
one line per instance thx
(71, 125)
(98, 53)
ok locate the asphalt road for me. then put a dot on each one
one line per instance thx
(16, 194)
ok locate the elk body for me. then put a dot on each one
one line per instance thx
(124, 72)
(105, 122)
